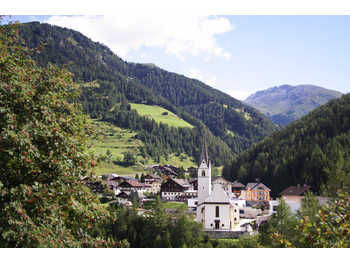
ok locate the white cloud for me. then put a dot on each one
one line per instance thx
(207, 79)
(177, 34)
(240, 94)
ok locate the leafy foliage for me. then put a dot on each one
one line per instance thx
(158, 229)
(283, 223)
(328, 228)
(42, 142)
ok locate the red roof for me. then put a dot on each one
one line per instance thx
(296, 190)
(132, 183)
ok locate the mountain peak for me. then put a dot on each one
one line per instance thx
(286, 103)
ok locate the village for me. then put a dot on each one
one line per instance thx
(225, 209)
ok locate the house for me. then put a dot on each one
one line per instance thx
(154, 183)
(150, 178)
(166, 170)
(221, 180)
(154, 187)
(120, 179)
(216, 208)
(194, 183)
(295, 193)
(123, 197)
(237, 188)
(113, 185)
(256, 192)
(132, 185)
(177, 190)
(293, 196)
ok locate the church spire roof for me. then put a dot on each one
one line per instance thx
(204, 153)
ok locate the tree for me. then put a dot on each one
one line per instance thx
(338, 175)
(329, 227)
(142, 179)
(109, 156)
(281, 224)
(129, 159)
(309, 206)
(43, 156)
(181, 173)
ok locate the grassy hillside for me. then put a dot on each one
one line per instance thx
(121, 82)
(118, 141)
(157, 113)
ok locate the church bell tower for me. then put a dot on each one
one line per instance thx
(204, 174)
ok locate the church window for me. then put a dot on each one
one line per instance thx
(203, 173)
(217, 211)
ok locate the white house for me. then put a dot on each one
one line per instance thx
(216, 208)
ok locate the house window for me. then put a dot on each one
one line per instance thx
(241, 211)
(222, 225)
(217, 211)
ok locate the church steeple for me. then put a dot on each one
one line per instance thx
(204, 153)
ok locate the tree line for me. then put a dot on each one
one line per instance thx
(237, 125)
(314, 150)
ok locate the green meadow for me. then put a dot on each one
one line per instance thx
(157, 113)
(118, 141)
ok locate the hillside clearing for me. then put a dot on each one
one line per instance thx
(160, 115)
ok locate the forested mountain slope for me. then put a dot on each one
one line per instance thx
(286, 103)
(313, 150)
(111, 83)
(221, 113)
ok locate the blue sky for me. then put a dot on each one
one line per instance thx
(236, 54)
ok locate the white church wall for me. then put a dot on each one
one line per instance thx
(224, 216)
(204, 182)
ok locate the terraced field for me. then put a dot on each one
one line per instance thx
(118, 141)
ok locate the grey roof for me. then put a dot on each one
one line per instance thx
(218, 195)
(204, 153)
(296, 190)
(237, 184)
(256, 185)
(222, 179)
(154, 176)
(182, 182)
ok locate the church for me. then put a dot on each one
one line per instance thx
(216, 208)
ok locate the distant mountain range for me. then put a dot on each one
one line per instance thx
(286, 103)
(110, 85)
(313, 150)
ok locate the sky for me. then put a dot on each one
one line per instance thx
(237, 54)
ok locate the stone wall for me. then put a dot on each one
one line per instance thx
(226, 234)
